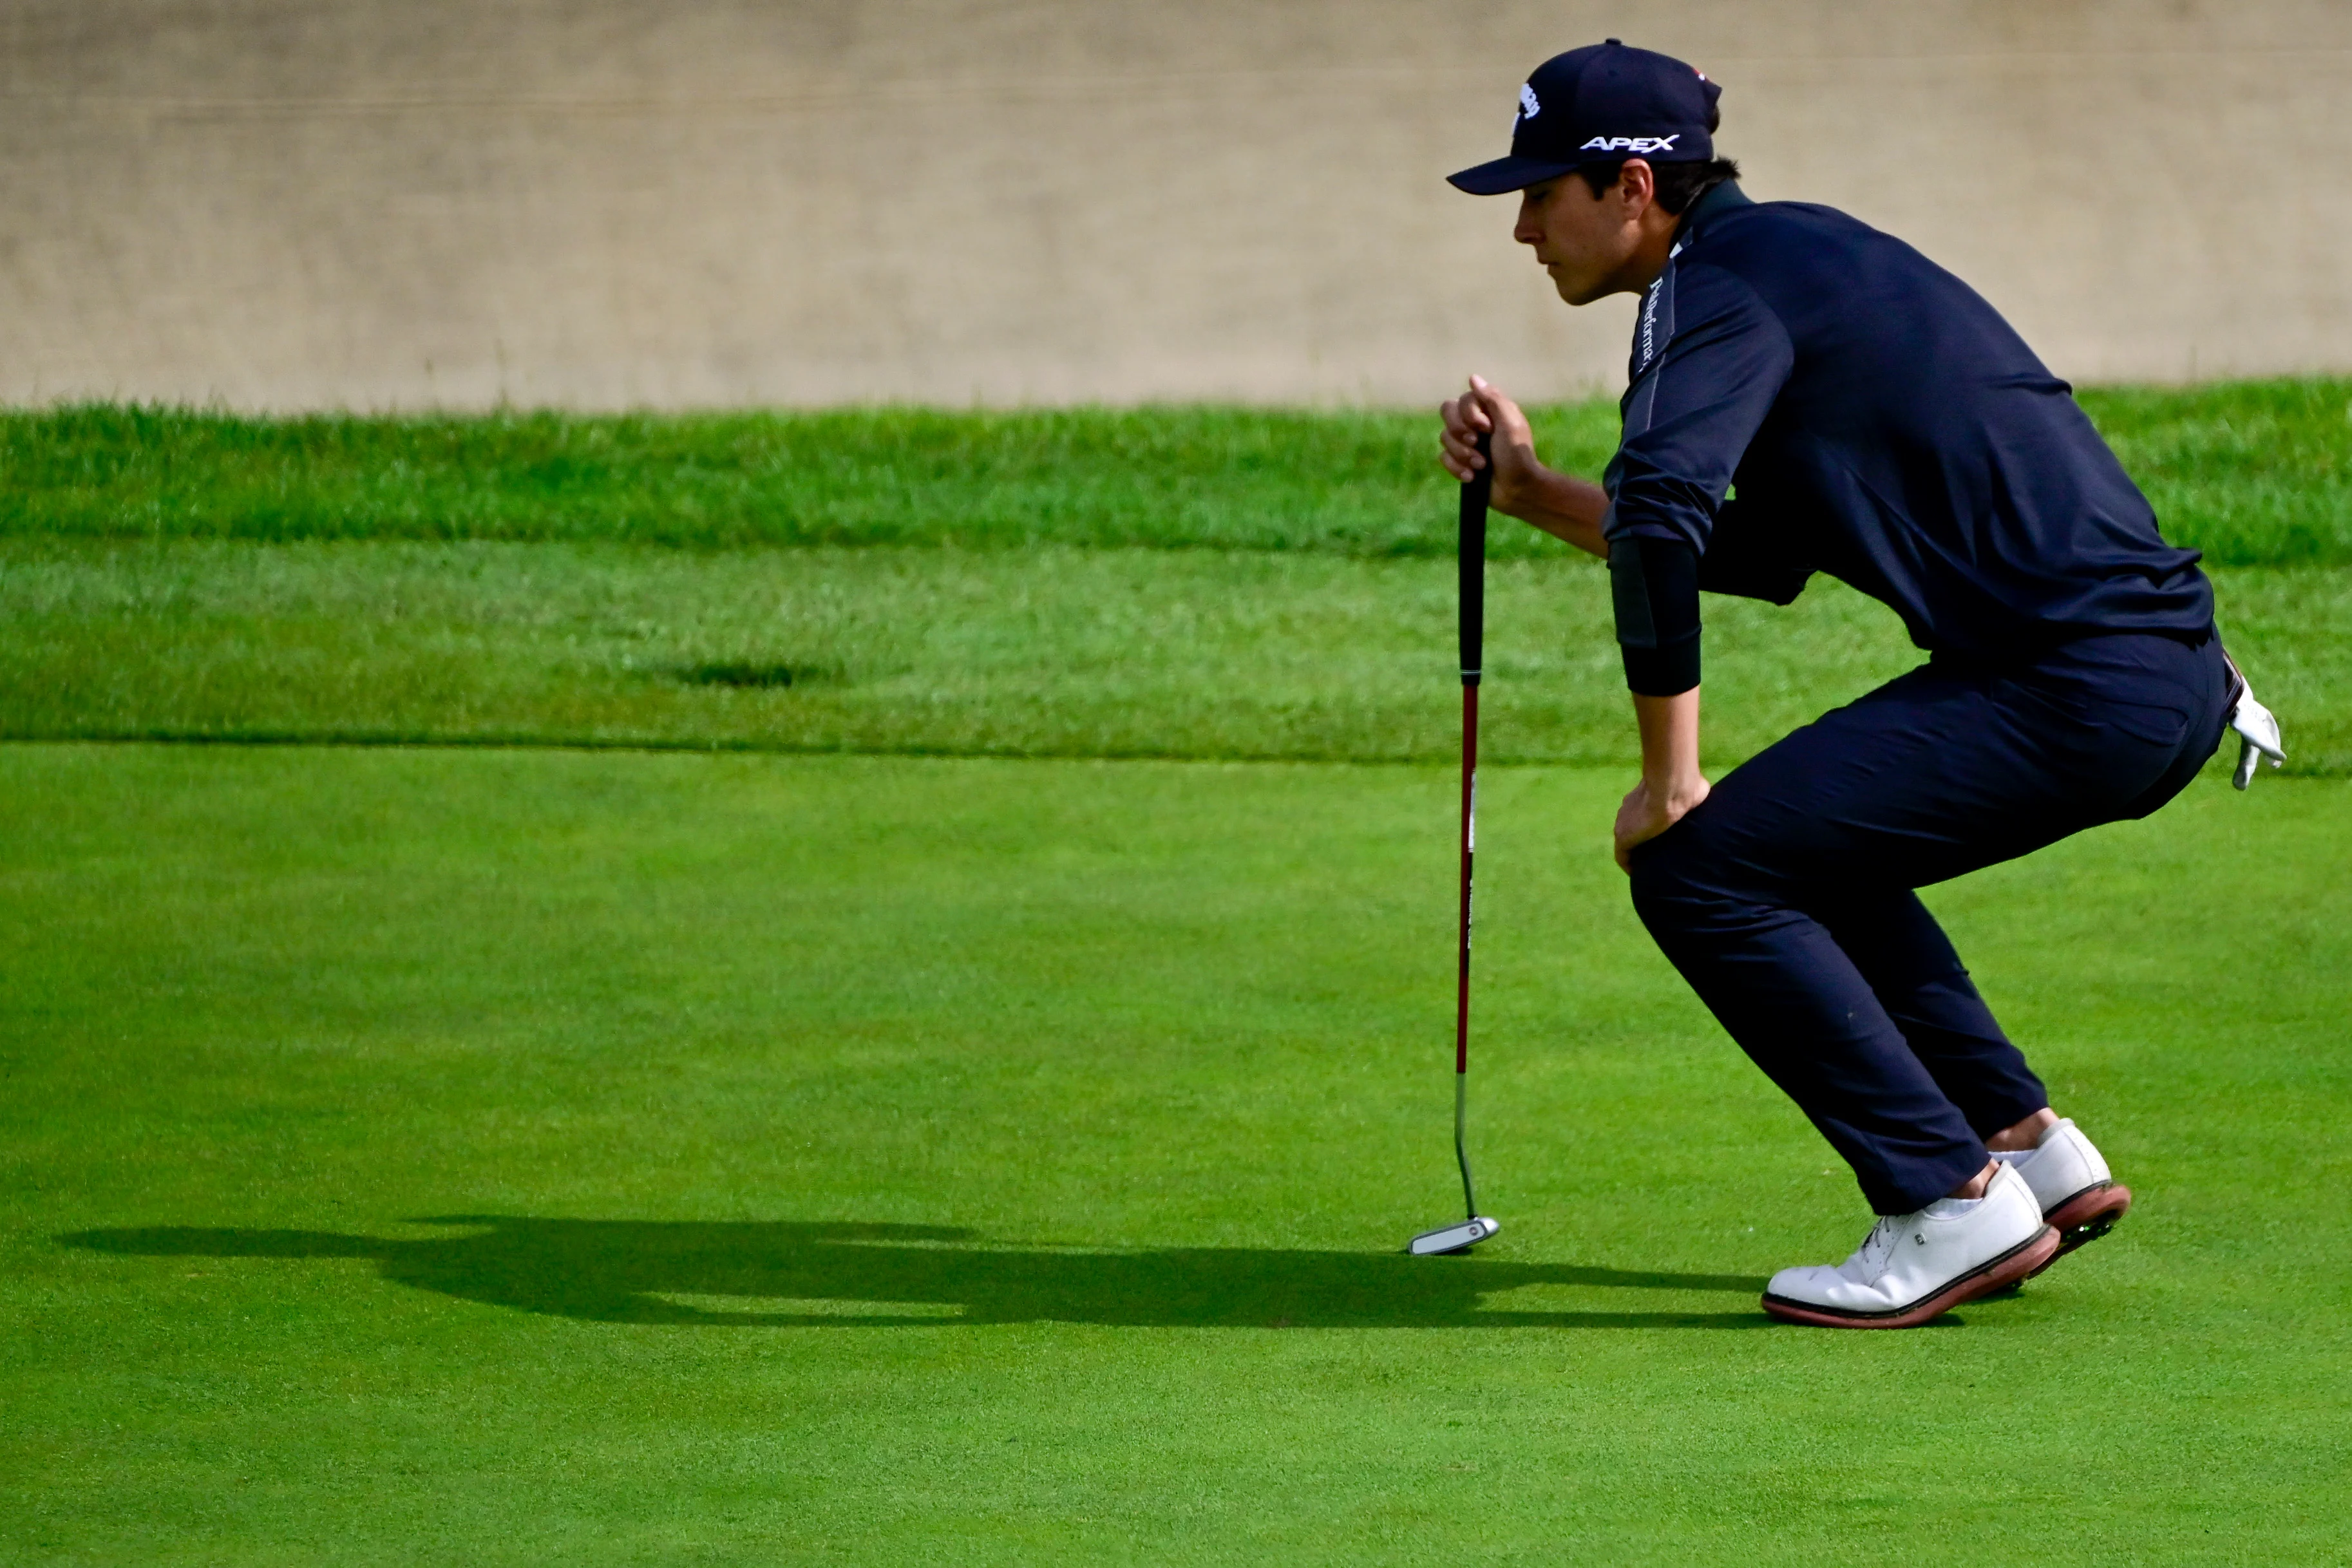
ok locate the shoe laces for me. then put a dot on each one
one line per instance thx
(1878, 1247)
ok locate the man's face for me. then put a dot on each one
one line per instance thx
(1591, 245)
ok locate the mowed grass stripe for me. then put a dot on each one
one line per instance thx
(1043, 652)
(2253, 473)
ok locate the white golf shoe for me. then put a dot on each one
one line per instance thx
(1912, 1267)
(2072, 1184)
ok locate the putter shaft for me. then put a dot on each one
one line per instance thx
(1471, 601)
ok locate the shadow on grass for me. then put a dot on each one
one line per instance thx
(772, 1274)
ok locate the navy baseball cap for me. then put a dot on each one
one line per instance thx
(1598, 104)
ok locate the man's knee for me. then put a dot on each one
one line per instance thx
(1699, 879)
(1670, 893)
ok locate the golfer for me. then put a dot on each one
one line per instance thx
(1808, 394)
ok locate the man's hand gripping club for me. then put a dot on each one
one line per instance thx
(1562, 505)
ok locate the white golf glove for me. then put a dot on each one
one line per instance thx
(2258, 735)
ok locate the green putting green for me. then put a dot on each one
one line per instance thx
(604, 1155)
(501, 1157)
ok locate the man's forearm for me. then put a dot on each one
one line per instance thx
(1670, 745)
(1562, 506)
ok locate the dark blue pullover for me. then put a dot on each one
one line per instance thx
(1875, 420)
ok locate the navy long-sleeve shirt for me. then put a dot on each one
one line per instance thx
(1878, 421)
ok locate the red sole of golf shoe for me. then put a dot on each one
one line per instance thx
(2025, 1258)
(2087, 1216)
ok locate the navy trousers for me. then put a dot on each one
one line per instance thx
(1786, 898)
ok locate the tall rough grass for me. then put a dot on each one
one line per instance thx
(2253, 473)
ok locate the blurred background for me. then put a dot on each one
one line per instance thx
(285, 204)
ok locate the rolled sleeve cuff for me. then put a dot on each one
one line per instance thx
(1653, 586)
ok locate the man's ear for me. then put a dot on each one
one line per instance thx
(1640, 184)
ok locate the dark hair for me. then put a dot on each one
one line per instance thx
(1679, 184)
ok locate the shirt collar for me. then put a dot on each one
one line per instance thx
(1726, 197)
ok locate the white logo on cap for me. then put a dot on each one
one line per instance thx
(1631, 143)
(1529, 107)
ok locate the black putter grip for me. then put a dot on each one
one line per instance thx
(1470, 557)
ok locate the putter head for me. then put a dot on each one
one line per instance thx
(1459, 1237)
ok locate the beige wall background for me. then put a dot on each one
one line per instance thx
(302, 203)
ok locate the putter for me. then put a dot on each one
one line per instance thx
(1471, 559)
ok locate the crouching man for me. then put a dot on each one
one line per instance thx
(1808, 394)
